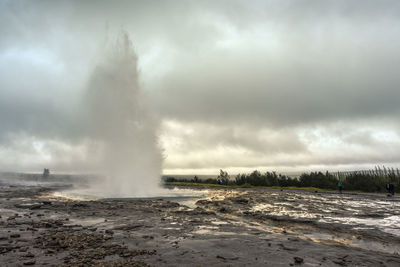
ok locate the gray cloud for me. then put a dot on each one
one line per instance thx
(247, 77)
(334, 68)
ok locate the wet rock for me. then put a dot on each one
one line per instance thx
(169, 204)
(288, 248)
(200, 211)
(6, 248)
(340, 262)
(31, 206)
(13, 217)
(28, 255)
(30, 262)
(125, 254)
(226, 258)
(110, 232)
(130, 227)
(80, 205)
(241, 200)
(298, 260)
(203, 202)
(223, 210)
(220, 257)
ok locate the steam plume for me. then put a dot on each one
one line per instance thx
(120, 122)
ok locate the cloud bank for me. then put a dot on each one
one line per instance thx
(286, 85)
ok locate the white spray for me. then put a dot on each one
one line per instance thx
(122, 127)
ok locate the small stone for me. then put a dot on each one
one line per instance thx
(28, 255)
(32, 206)
(77, 205)
(110, 232)
(298, 260)
(51, 251)
(30, 262)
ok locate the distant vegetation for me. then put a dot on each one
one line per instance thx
(366, 181)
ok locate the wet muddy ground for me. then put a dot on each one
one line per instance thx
(225, 228)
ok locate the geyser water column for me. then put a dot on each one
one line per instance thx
(123, 131)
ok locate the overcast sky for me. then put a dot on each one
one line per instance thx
(238, 85)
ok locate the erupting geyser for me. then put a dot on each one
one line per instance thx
(122, 128)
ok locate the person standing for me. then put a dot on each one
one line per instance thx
(391, 189)
(340, 185)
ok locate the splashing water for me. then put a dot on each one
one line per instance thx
(122, 127)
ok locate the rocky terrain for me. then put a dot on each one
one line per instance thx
(226, 228)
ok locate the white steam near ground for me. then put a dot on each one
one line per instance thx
(277, 85)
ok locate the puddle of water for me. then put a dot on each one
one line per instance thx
(360, 243)
(213, 230)
(375, 212)
(172, 228)
(217, 233)
(86, 221)
(388, 225)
